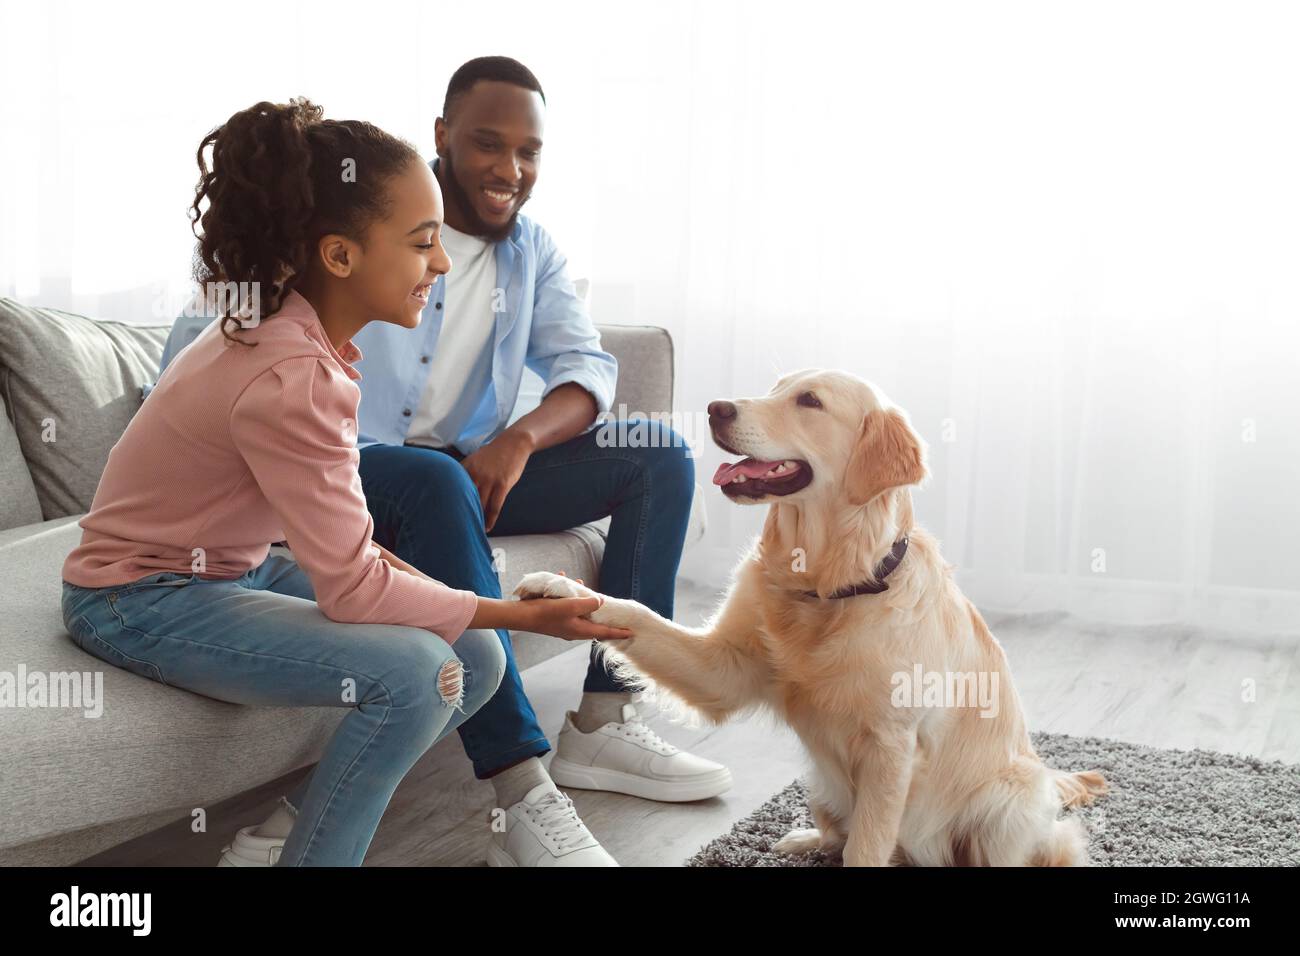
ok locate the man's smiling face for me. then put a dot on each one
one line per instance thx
(490, 150)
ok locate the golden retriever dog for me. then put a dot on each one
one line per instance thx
(844, 622)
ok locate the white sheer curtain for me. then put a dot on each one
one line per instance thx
(1063, 236)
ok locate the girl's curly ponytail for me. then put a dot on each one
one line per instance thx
(279, 180)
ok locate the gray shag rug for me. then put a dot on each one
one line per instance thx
(1164, 808)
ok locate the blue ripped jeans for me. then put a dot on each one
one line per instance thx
(261, 640)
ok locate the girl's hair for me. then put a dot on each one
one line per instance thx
(281, 178)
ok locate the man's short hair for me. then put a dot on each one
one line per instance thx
(499, 68)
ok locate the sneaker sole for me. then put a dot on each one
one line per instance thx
(566, 774)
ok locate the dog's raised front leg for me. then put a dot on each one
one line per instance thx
(715, 670)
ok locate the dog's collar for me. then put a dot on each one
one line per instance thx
(883, 570)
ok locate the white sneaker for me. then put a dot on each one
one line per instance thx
(543, 829)
(629, 757)
(249, 849)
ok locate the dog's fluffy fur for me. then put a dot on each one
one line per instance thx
(891, 784)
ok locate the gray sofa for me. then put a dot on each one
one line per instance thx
(72, 785)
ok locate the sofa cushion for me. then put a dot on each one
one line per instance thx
(73, 384)
(18, 502)
(645, 369)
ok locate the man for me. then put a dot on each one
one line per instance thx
(440, 468)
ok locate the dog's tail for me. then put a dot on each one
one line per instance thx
(1079, 789)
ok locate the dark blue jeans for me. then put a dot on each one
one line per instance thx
(426, 511)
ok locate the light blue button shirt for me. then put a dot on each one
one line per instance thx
(543, 325)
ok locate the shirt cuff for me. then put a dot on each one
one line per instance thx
(601, 397)
(460, 623)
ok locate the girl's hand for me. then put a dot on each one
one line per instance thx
(565, 618)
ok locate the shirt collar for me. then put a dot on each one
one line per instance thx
(295, 304)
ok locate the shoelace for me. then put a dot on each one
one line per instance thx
(637, 729)
(557, 817)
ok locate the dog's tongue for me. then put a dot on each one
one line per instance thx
(749, 467)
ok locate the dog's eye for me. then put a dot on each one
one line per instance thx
(808, 400)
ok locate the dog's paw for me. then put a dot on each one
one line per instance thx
(620, 612)
(544, 584)
(613, 612)
(799, 841)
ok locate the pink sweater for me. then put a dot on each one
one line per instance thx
(236, 448)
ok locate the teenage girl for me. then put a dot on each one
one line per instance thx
(314, 227)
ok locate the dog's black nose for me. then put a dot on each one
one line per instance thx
(723, 410)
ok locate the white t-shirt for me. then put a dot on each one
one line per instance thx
(460, 370)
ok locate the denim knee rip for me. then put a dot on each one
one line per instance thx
(451, 683)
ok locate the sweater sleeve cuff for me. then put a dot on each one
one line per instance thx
(469, 604)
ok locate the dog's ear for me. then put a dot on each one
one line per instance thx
(888, 454)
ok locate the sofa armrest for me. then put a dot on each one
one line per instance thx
(645, 368)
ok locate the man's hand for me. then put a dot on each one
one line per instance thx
(495, 468)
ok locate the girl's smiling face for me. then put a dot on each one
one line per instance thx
(403, 256)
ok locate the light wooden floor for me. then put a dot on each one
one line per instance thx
(1170, 687)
